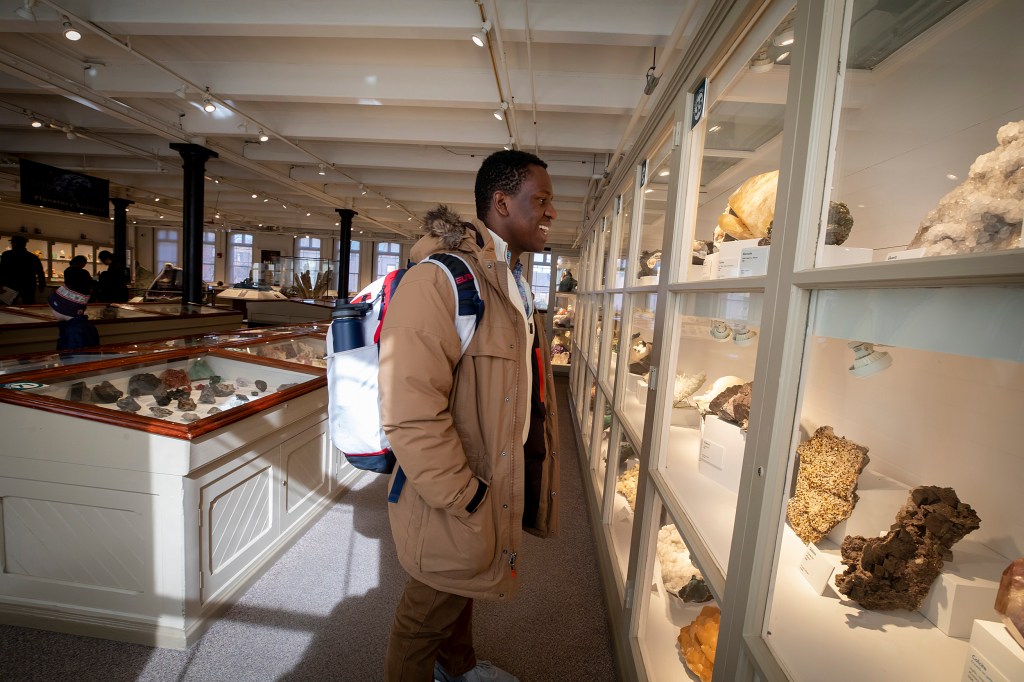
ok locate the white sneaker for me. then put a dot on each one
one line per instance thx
(484, 671)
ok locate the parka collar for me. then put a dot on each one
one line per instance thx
(447, 231)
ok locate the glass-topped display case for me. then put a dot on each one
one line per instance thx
(304, 350)
(175, 394)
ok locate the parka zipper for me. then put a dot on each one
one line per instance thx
(512, 563)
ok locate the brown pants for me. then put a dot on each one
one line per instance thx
(429, 625)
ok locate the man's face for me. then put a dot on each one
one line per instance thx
(527, 215)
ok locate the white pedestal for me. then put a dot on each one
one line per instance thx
(721, 453)
(993, 656)
(833, 255)
(965, 590)
(641, 391)
(879, 498)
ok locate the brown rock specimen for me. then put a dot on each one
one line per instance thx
(985, 211)
(1010, 599)
(826, 484)
(698, 641)
(840, 223)
(174, 378)
(733, 404)
(897, 570)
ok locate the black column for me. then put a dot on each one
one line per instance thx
(195, 157)
(344, 251)
(121, 233)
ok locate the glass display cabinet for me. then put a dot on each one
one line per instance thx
(308, 350)
(834, 354)
(56, 255)
(563, 311)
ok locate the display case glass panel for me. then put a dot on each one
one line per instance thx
(19, 316)
(594, 342)
(61, 258)
(89, 251)
(709, 372)
(901, 389)
(25, 363)
(624, 226)
(41, 248)
(605, 246)
(175, 308)
(563, 323)
(680, 608)
(174, 394)
(588, 398)
(646, 267)
(740, 153)
(615, 321)
(623, 478)
(304, 350)
(937, 173)
(633, 391)
(601, 428)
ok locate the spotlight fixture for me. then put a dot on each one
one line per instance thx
(715, 128)
(652, 81)
(782, 57)
(255, 196)
(25, 11)
(308, 214)
(500, 113)
(216, 215)
(362, 189)
(70, 32)
(208, 105)
(480, 37)
(867, 360)
(36, 123)
(266, 199)
(322, 170)
(156, 199)
(182, 92)
(784, 38)
(387, 204)
(263, 136)
(510, 144)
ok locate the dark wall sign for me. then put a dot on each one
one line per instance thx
(53, 187)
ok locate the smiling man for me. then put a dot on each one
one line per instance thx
(474, 433)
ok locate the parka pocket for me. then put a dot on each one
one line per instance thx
(458, 547)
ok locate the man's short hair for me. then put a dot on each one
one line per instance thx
(105, 254)
(502, 171)
(18, 240)
(79, 260)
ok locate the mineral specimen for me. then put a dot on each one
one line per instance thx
(751, 209)
(626, 485)
(284, 386)
(128, 404)
(695, 591)
(261, 385)
(984, 213)
(241, 382)
(733, 404)
(79, 392)
(161, 412)
(143, 384)
(223, 390)
(840, 223)
(254, 393)
(173, 378)
(208, 395)
(199, 369)
(214, 410)
(241, 398)
(105, 392)
(1010, 600)
(703, 401)
(677, 570)
(685, 386)
(186, 404)
(826, 484)
(897, 570)
(698, 642)
(179, 393)
(189, 417)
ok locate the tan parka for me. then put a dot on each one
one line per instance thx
(456, 423)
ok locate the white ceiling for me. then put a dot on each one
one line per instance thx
(388, 94)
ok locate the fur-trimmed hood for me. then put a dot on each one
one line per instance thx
(445, 230)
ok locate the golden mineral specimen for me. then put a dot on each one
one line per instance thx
(826, 484)
(698, 641)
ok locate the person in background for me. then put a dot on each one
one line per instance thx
(568, 282)
(22, 271)
(474, 433)
(74, 329)
(113, 282)
(77, 278)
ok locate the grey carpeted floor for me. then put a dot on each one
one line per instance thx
(323, 611)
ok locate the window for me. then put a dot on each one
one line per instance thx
(166, 248)
(353, 268)
(308, 248)
(540, 279)
(209, 255)
(389, 258)
(240, 256)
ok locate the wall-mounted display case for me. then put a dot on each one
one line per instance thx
(823, 359)
(145, 524)
(56, 255)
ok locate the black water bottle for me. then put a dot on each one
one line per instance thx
(347, 325)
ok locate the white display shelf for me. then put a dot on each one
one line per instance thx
(710, 506)
(813, 636)
(621, 531)
(659, 636)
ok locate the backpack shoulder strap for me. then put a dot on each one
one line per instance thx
(469, 309)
